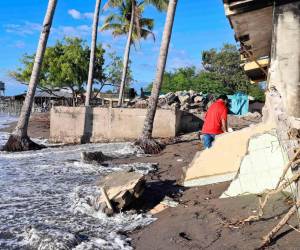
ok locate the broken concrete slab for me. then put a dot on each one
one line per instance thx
(221, 162)
(261, 168)
(122, 188)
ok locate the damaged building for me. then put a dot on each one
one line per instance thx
(254, 158)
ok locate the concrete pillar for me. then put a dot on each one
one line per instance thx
(285, 57)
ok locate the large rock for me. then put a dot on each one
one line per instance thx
(184, 99)
(141, 104)
(198, 99)
(94, 157)
(122, 188)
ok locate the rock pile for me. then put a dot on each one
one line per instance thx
(184, 100)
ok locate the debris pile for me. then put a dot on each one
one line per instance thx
(184, 100)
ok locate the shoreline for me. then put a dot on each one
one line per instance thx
(39, 126)
(201, 220)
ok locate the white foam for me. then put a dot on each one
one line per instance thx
(44, 200)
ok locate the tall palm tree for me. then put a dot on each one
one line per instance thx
(93, 52)
(146, 141)
(133, 23)
(19, 140)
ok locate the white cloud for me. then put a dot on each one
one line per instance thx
(78, 15)
(28, 28)
(19, 44)
(72, 31)
(74, 13)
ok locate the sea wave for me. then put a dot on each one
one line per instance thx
(44, 199)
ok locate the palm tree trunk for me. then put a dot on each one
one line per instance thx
(19, 140)
(93, 52)
(126, 55)
(146, 139)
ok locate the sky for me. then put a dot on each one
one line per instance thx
(199, 25)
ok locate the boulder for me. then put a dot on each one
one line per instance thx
(185, 107)
(198, 99)
(184, 99)
(141, 104)
(192, 93)
(175, 106)
(121, 189)
(94, 157)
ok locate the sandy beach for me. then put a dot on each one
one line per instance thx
(201, 220)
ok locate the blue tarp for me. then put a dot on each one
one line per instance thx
(239, 103)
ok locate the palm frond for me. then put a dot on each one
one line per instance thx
(161, 5)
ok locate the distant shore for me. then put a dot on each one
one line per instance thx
(39, 126)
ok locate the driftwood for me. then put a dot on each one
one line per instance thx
(268, 238)
(291, 162)
(279, 188)
(269, 193)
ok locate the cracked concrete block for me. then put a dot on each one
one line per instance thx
(261, 168)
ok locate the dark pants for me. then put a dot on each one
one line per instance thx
(208, 140)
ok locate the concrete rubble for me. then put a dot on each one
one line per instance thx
(121, 189)
(183, 100)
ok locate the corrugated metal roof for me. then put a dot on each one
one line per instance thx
(53, 94)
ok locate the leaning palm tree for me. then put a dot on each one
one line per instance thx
(93, 52)
(146, 142)
(133, 25)
(19, 140)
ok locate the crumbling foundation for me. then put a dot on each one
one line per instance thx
(227, 158)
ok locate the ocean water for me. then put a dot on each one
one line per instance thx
(6, 119)
(46, 197)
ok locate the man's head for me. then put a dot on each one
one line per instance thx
(224, 98)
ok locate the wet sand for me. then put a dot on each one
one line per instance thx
(39, 126)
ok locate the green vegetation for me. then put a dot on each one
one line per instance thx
(221, 74)
(66, 65)
(119, 23)
(114, 70)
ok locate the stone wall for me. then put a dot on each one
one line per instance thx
(81, 124)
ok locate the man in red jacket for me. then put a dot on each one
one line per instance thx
(215, 120)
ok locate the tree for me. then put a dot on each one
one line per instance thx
(19, 140)
(222, 74)
(65, 65)
(225, 64)
(130, 22)
(114, 71)
(93, 53)
(146, 141)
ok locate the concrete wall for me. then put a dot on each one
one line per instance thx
(81, 124)
(284, 72)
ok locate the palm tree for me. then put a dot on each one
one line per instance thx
(19, 140)
(131, 23)
(93, 51)
(146, 141)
